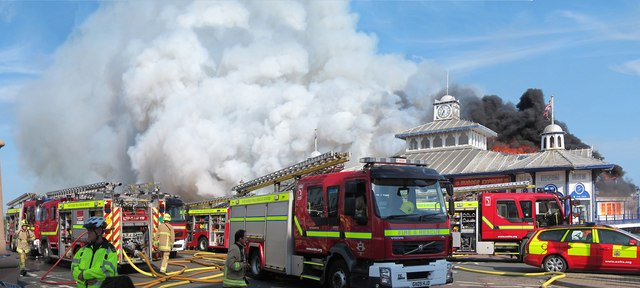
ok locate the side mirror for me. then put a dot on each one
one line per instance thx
(449, 187)
(452, 208)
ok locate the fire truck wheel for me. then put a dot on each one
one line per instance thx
(554, 263)
(46, 253)
(255, 266)
(338, 276)
(202, 244)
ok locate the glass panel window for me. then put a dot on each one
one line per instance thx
(315, 203)
(507, 209)
(613, 237)
(552, 235)
(579, 235)
(526, 209)
(332, 195)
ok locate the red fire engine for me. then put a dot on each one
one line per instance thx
(357, 227)
(22, 208)
(496, 223)
(207, 224)
(64, 212)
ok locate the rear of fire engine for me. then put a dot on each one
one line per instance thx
(128, 219)
(207, 224)
(384, 225)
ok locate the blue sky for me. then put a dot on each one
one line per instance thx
(585, 53)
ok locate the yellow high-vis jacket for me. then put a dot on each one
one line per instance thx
(96, 262)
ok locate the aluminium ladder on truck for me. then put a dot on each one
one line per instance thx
(319, 163)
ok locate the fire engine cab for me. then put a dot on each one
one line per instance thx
(496, 223)
(381, 224)
(23, 207)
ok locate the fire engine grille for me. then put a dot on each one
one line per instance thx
(400, 248)
(178, 234)
(417, 275)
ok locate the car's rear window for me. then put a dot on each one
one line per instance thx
(551, 235)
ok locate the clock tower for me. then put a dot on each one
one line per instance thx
(447, 108)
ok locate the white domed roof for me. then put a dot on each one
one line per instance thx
(447, 98)
(553, 128)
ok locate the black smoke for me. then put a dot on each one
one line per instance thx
(521, 125)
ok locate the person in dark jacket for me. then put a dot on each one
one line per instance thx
(235, 265)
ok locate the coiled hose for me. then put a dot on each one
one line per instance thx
(213, 263)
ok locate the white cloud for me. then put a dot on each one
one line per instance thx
(15, 60)
(8, 93)
(629, 67)
(7, 11)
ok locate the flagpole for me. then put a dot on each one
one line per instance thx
(552, 110)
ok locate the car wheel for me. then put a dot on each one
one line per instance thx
(203, 244)
(554, 263)
(338, 276)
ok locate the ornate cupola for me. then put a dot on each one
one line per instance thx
(552, 138)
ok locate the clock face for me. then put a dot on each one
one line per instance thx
(444, 111)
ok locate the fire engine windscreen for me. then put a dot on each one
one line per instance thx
(414, 200)
(176, 212)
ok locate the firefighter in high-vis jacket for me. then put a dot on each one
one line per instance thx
(165, 239)
(97, 260)
(23, 238)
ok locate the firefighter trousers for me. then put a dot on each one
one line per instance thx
(165, 261)
(23, 260)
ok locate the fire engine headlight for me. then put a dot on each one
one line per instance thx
(385, 276)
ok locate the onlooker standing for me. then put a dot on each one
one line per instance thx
(235, 265)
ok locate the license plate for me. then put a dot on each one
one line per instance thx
(422, 283)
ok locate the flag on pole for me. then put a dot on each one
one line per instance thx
(547, 109)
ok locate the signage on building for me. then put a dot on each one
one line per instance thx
(480, 181)
(553, 181)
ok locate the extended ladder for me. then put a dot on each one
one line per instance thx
(493, 187)
(217, 202)
(318, 163)
(22, 198)
(83, 190)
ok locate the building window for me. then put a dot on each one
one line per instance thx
(413, 144)
(451, 141)
(437, 142)
(464, 139)
(425, 143)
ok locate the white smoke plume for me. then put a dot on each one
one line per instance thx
(200, 95)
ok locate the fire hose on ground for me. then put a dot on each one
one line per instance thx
(177, 275)
(557, 275)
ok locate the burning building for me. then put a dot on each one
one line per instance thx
(458, 149)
